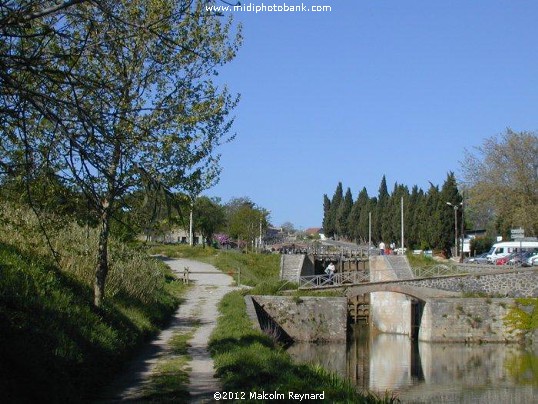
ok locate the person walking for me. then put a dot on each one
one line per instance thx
(330, 271)
(382, 248)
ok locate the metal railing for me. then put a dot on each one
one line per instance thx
(338, 279)
(356, 277)
(438, 270)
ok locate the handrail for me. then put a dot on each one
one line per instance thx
(355, 277)
(338, 279)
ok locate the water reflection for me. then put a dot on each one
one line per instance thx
(430, 372)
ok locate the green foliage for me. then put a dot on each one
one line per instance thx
(75, 251)
(331, 208)
(208, 217)
(420, 260)
(53, 338)
(481, 245)
(343, 213)
(55, 343)
(523, 317)
(248, 360)
(184, 251)
(261, 270)
(502, 180)
(243, 220)
(428, 221)
(126, 114)
(255, 268)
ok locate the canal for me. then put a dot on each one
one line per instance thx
(423, 372)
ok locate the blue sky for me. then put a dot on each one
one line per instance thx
(373, 87)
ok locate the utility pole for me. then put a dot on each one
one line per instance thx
(462, 229)
(456, 252)
(369, 232)
(402, 226)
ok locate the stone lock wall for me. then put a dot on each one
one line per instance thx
(466, 320)
(304, 318)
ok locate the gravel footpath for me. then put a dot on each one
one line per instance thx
(198, 312)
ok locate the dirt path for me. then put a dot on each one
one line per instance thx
(198, 312)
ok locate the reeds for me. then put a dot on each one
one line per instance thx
(73, 248)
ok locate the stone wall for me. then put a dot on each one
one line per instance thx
(304, 318)
(466, 320)
(390, 312)
(291, 266)
(522, 283)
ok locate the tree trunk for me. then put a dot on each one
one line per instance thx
(101, 271)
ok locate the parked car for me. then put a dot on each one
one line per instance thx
(519, 258)
(478, 259)
(504, 248)
(515, 258)
(502, 260)
(532, 261)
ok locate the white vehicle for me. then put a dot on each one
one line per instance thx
(502, 249)
(533, 260)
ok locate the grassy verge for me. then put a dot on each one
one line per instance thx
(55, 346)
(249, 361)
(256, 269)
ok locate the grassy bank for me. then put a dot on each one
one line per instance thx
(249, 361)
(55, 346)
(256, 269)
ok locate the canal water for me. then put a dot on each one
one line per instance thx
(423, 372)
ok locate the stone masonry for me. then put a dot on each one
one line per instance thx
(302, 318)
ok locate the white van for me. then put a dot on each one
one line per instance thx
(504, 248)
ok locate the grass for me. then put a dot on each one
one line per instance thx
(420, 260)
(256, 269)
(169, 382)
(55, 345)
(248, 360)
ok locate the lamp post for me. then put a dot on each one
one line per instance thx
(456, 207)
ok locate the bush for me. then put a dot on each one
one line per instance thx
(481, 245)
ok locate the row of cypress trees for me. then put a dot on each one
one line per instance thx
(428, 219)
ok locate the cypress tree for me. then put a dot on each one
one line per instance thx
(359, 217)
(343, 214)
(382, 228)
(449, 193)
(416, 205)
(333, 212)
(327, 226)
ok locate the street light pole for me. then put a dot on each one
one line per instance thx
(455, 228)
